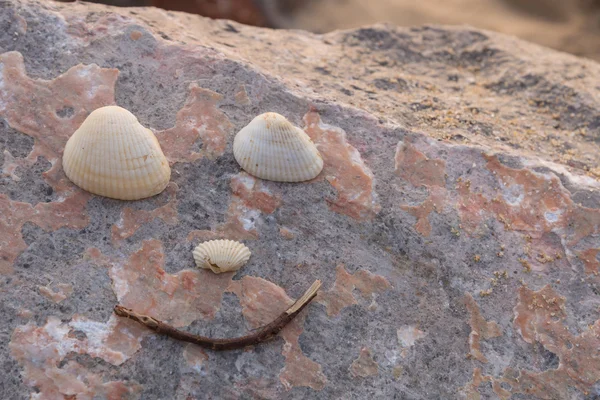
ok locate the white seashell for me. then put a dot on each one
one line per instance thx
(221, 255)
(270, 147)
(113, 155)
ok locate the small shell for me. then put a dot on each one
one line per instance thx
(113, 155)
(221, 255)
(270, 147)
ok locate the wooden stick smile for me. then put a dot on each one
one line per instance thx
(261, 335)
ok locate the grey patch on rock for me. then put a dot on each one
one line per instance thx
(18, 144)
(92, 290)
(8, 24)
(65, 112)
(549, 359)
(30, 232)
(12, 381)
(103, 213)
(589, 198)
(482, 57)
(50, 249)
(196, 208)
(511, 86)
(42, 27)
(138, 83)
(227, 369)
(159, 95)
(386, 84)
(323, 71)
(159, 382)
(573, 109)
(31, 186)
(378, 38)
(227, 323)
(510, 161)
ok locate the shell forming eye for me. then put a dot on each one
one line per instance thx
(271, 148)
(221, 255)
(113, 155)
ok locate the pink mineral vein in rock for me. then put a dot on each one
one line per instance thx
(533, 203)
(540, 318)
(41, 350)
(241, 96)
(471, 389)
(69, 213)
(199, 118)
(255, 193)
(286, 233)
(434, 202)
(419, 170)
(63, 290)
(364, 365)
(480, 329)
(590, 261)
(344, 169)
(141, 283)
(263, 301)
(132, 220)
(341, 295)
(25, 313)
(530, 202)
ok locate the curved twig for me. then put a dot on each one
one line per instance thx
(262, 334)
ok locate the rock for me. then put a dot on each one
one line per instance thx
(565, 25)
(455, 227)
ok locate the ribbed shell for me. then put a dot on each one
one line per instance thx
(113, 155)
(221, 255)
(270, 147)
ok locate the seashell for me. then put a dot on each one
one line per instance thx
(221, 255)
(271, 148)
(113, 155)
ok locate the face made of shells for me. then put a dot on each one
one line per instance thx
(271, 148)
(113, 155)
(221, 255)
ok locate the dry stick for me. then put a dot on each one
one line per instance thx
(263, 334)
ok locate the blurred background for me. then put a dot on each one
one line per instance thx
(568, 25)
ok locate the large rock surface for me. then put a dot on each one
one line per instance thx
(566, 25)
(455, 226)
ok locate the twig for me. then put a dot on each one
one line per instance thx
(261, 335)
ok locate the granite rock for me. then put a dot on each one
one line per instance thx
(455, 227)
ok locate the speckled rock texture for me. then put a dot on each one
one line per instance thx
(455, 226)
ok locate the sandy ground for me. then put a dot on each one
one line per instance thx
(565, 25)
